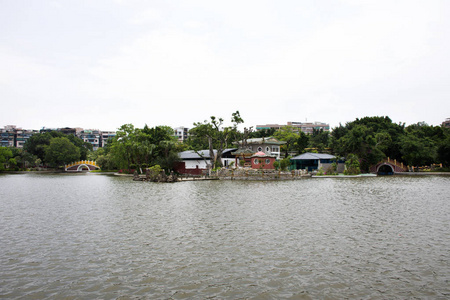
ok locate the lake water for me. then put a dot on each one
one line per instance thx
(87, 236)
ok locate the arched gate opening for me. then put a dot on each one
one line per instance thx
(385, 169)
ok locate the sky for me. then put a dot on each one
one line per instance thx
(101, 64)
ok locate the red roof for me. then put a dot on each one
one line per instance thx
(260, 153)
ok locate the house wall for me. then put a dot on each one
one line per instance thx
(264, 164)
(300, 164)
(266, 148)
(194, 164)
(180, 167)
(227, 161)
(327, 166)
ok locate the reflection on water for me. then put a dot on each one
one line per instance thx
(95, 236)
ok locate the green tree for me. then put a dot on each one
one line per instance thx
(61, 151)
(262, 133)
(423, 144)
(319, 139)
(216, 137)
(285, 163)
(370, 138)
(141, 148)
(103, 158)
(417, 151)
(301, 143)
(352, 166)
(23, 158)
(121, 146)
(37, 144)
(288, 134)
(80, 144)
(5, 155)
(443, 151)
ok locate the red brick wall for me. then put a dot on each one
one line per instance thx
(180, 167)
(263, 164)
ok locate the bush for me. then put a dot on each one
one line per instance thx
(276, 164)
(352, 165)
(320, 171)
(285, 163)
(442, 169)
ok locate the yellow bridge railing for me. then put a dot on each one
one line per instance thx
(396, 163)
(82, 162)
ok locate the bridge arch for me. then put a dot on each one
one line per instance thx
(385, 169)
(388, 167)
(79, 165)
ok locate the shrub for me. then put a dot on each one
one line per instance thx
(352, 165)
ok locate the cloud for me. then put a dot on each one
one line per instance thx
(181, 62)
(151, 15)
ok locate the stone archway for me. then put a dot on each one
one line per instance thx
(80, 168)
(385, 169)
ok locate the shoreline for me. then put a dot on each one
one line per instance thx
(240, 178)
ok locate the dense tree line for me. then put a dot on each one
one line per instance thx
(137, 149)
(53, 149)
(369, 139)
(374, 138)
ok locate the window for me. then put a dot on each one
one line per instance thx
(267, 161)
(267, 149)
(259, 148)
(256, 161)
(275, 149)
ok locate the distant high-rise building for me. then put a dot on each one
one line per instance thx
(12, 136)
(181, 133)
(7, 136)
(306, 127)
(91, 136)
(22, 135)
(446, 123)
(105, 136)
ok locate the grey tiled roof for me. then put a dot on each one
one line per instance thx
(310, 156)
(191, 154)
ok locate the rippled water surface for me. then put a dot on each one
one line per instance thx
(91, 236)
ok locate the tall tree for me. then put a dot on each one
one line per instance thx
(5, 155)
(420, 144)
(142, 148)
(217, 137)
(61, 151)
(443, 150)
(319, 139)
(370, 138)
(38, 143)
(288, 134)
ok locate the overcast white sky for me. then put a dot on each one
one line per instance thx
(101, 64)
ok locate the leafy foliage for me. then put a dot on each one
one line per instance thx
(61, 151)
(374, 138)
(213, 136)
(352, 165)
(288, 134)
(141, 148)
(369, 138)
(39, 143)
(5, 155)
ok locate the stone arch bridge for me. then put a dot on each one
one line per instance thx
(78, 166)
(388, 167)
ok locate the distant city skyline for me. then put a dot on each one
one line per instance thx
(445, 121)
(105, 63)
